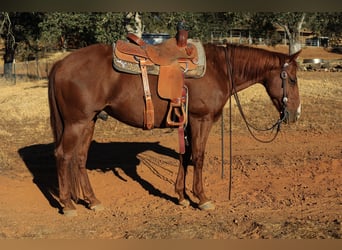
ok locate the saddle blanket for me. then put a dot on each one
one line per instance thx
(190, 71)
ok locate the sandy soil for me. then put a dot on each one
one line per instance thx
(288, 189)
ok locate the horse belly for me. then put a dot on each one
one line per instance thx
(127, 103)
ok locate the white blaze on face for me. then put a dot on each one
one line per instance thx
(299, 110)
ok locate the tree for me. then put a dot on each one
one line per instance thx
(334, 29)
(134, 23)
(67, 29)
(6, 31)
(328, 24)
(18, 28)
(292, 23)
(325, 23)
(260, 25)
(75, 30)
(108, 27)
(334, 25)
(200, 25)
(263, 24)
(166, 22)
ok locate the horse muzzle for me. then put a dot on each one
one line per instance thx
(292, 116)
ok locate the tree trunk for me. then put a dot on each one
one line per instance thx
(8, 60)
(137, 28)
(10, 45)
(294, 36)
(294, 47)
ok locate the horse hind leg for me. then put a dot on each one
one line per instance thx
(71, 155)
(64, 161)
(82, 155)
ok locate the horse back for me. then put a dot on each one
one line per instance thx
(86, 83)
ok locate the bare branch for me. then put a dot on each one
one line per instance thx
(7, 22)
(300, 23)
(137, 26)
(4, 20)
(286, 28)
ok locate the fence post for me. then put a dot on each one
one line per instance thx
(27, 69)
(15, 73)
(37, 64)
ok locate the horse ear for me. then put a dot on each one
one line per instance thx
(294, 56)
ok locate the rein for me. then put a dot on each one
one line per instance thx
(277, 124)
(283, 112)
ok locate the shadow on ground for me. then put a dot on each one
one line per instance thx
(40, 161)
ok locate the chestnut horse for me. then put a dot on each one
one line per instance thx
(84, 83)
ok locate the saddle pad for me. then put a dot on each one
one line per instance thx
(128, 64)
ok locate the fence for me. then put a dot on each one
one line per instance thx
(28, 70)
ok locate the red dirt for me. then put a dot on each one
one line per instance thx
(289, 189)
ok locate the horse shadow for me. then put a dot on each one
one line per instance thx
(40, 161)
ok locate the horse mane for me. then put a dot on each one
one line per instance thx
(253, 62)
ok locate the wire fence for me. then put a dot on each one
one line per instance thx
(28, 70)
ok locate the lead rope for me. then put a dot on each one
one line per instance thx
(277, 124)
(230, 72)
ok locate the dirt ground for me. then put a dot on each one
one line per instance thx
(288, 189)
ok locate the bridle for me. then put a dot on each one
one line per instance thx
(283, 76)
(283, 112)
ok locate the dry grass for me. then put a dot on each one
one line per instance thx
(24, 118)
(24, 101)
(25, 110)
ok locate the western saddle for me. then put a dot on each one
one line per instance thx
(172, 60)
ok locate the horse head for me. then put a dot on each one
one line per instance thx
(282, 87)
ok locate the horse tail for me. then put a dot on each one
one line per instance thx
(56, 122)
(57, 126)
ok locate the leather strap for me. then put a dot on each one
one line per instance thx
(134, 38)
(184, 120)
(181, 138)
(149, 109)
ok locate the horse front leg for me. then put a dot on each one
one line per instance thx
(200, 129)
(184, 160)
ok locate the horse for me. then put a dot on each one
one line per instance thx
(84, 83)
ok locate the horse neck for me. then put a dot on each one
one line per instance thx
(250, 65)
(243, 83)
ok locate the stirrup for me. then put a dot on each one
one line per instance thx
(182, 114)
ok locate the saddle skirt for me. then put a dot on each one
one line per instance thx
(171, 63)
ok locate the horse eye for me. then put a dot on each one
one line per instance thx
(293, 80)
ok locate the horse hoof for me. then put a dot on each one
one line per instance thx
(207, 206)
(98, 207)
(184, 203)
(70, 213)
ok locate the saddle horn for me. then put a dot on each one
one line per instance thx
(182, 34)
